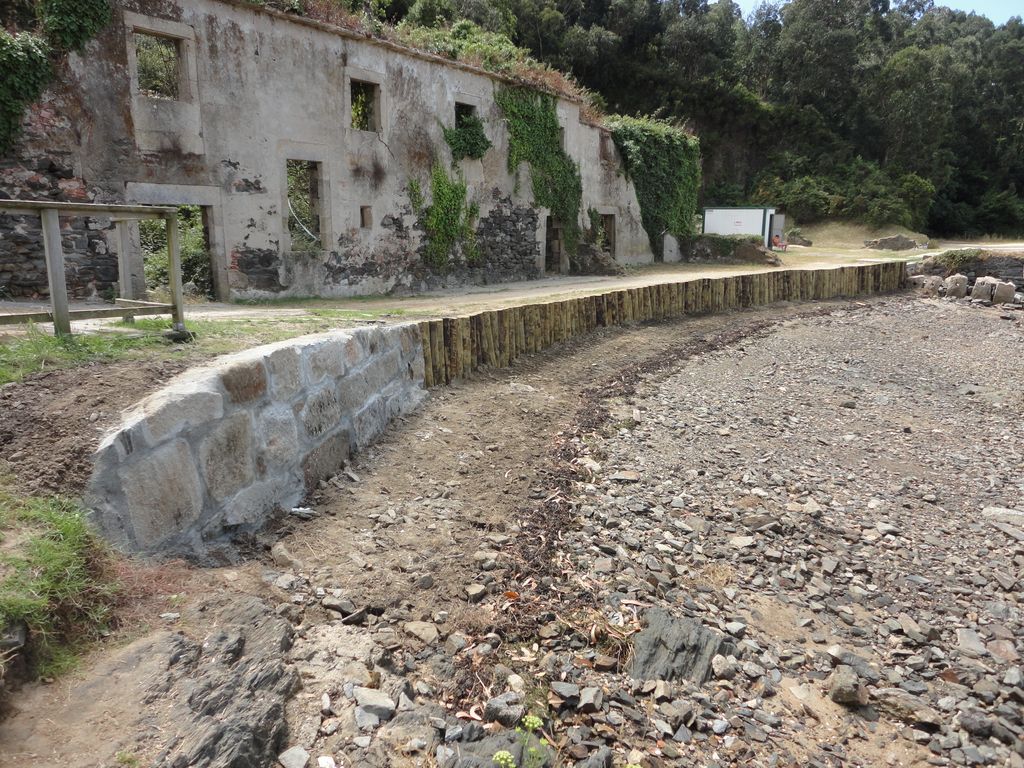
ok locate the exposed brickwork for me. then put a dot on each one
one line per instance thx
(39, 170)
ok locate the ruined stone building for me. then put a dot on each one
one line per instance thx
(255, 93)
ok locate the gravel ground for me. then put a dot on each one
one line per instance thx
(842, 500)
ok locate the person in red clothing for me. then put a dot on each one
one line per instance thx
(778, 243)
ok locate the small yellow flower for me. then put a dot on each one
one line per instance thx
(504, 759)
(531, 723)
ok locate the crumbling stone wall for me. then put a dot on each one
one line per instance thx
(219, 450)
(224, 145)
(507, 239)
(39, 170)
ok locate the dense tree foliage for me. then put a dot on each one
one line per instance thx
(887, 112)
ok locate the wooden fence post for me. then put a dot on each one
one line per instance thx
(54, 251)
(174, 271)
(124, 270)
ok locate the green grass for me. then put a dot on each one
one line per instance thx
(56, 577)
(958, 260)
(36, 350)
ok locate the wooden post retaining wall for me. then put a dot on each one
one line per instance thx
(456, 346)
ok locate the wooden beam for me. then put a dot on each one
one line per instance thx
(122, 212)
(54, 251)
(139, 303)
(85, 314)
(174, 270)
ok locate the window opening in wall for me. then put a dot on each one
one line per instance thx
(608, 231)
(553, 247)
(304, 204)
(607, 148)
(196, 263)
(463, 112)
(366, 217)
(365, 106)
(158, 65)
(561, 137)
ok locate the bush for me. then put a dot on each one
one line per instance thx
(25, 66)
(724, 193)
(195, 258)
(448, 221)
(70, 24)
(858, 190)
(157, 63)
(1000, 211)
(958, 260)
(467, 138)
(663, 162)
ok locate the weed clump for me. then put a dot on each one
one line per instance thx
(57, 579)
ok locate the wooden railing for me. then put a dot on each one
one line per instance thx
(60, 313)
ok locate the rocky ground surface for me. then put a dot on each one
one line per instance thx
(790, 536)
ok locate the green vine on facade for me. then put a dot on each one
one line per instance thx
(663, 162)
(70, 24)
(595, 235)
(26, 57)
(25, 62)
(449, 220)
(467, 138)
(536, 138)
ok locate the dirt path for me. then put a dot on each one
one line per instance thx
(442, 485)
(471, 299)
(51, 422)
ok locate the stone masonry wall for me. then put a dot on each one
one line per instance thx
(506, 238)
(218, 451)
(42, 172)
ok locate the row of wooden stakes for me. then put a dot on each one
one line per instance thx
(454, 347)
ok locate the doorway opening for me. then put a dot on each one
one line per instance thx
(608, 232)
(304, 205)
(554, 247)
(196, 260)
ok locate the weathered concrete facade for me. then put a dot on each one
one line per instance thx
(257, 89)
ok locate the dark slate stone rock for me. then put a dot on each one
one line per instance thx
(234, 686)
(671, 649)
(602, 758)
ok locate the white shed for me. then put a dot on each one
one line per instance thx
(744, 221)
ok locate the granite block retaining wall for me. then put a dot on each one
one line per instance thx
(220, 449)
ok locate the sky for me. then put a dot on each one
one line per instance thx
(997, 10)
